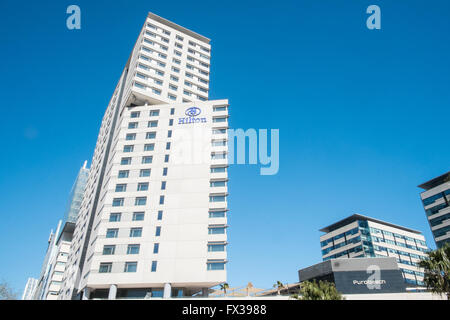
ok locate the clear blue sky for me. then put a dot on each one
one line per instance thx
(363, 115)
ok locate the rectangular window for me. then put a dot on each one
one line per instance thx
(221, 183)
(149, 147)
(121, 187)
(132, 125)
(173, 78)
(117, 202)
(158, 231)
(105, 267)
(144, 173)
(130, 267)
(168, 146)
(138, 216)
(160, 215)
(112, 233)
(163, 185)
(154, 264)
(217, 198)
(219, 119)
(219, 131)
(170, 122)
(166, 158)
(152, 124)
(128, 148)
(171, 96)
(161, 200)
(172, 87)
(135, 232)
(169, 134)
(172, 111)
(216, 266)
(217, 214)
(218, 169)
(150, 135)
(140, 201)
(109, 250)
(133, 249)
(216, 230)
(131, 136)
(218, 156)
(114, 217)
(147, 159)
(216, 247)
(142, 186)
(220, 108)
(125, 161)
(135, 114)
(165, 171)
(156, 248)
(154, 113)
(123, 174)
(219, 143)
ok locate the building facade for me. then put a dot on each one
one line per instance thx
(30, 288)
(153, 217)
(435, 200)
(360, 236)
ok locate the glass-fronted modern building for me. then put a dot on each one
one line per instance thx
(436, 202)
(359, 236)
(76, 195)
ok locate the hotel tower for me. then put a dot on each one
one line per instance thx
(153, 218)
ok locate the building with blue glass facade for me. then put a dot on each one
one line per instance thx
(436, 202)
(358, 236)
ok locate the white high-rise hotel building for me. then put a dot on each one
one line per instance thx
(153, 223)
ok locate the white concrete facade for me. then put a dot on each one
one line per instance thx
(360, 236)
(146, 221)
(30, 288)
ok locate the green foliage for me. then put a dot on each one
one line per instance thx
(224, 287)
(437, 270)
(323, 290)
(6, 292)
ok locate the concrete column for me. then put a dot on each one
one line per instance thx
(112, 292)
(167, 291)
(86, 293)
(205, 292)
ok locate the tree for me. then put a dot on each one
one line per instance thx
(323, 290)
(279, 285)
(437, 270)
(6, 292)
(224, 287)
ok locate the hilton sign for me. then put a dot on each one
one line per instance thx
(192, 114)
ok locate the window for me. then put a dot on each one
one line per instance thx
(219, 143)
(172, 111)
(135, 232)
(216, 247)
(144, 173)
(220, 183)
(117, 202)
(109, 250)
(105, 267)
(179, 38)
(219, 119)
(170, 122)
(121, 187)
(217, 198)
(125, 161)
(174, 69)
(132, 125)
(114, 217)
(149, 147)
(166, 158)
(140, 201)
(154, 113)
(219, 131)
(135, 114)
(174, 78)
(158, 231)
(163, 185)
(176, 61)
(164, 171)
(216, 230)
(171, 96)
(155, 248)
(138, 216)
(172, 87)
(150, 135)
(168, 146)
(142, 186)
(220, 108)
(218, 156)
(152, 124)
(130, 267)
(123, 174)
(218, 169)
(217, 214)
(112, 233)
(154, 264)
(169, 134)
(216, 265)
(130, 136)
(133, 249)
(161, 200)
(160, 215)
(147, 159)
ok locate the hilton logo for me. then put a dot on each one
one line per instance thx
(191, 113)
